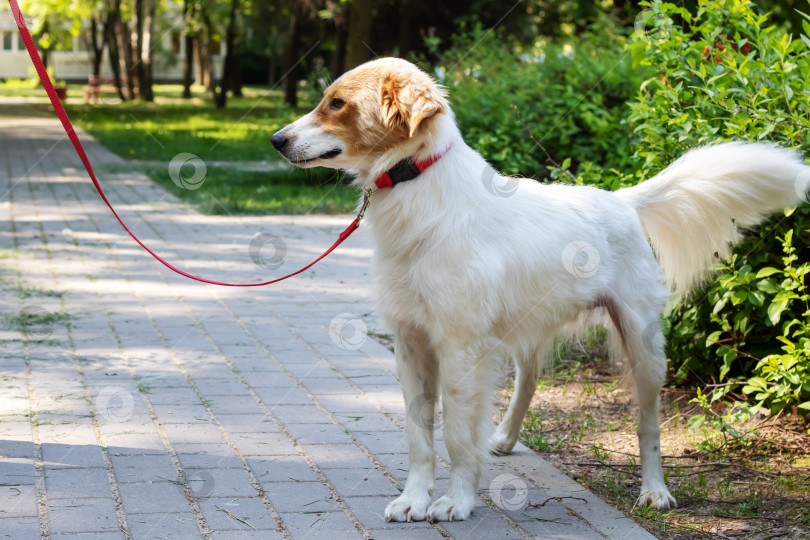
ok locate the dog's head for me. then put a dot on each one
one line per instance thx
(381, 108)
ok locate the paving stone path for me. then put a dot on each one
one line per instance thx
(135, 403)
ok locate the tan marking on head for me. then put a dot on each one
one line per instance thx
(386, 102)
(347, 124)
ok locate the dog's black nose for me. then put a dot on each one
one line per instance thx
(279, 141)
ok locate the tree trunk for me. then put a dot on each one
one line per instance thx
(360, 16)
(409, 37)
(271, 70)
(46, 56)
(206, 54)
(236, 79)
(188, 68)
(125, 58)
(199, 76)
(145, 75)
(291, 60)
(120, 37)
(112, 48)
(97, 49)
(231, 44)
(338, 63)
(136, 44)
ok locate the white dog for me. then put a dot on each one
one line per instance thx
(472, 267)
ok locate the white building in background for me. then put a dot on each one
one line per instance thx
(74, 63)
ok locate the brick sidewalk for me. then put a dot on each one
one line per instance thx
(139, 404)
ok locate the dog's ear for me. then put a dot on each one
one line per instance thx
(407, 103)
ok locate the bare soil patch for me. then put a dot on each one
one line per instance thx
(749, 480)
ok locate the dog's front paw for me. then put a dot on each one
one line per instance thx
(657, 496)
(449, 508)
(407, 508)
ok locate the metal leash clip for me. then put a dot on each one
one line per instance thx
(367, 193)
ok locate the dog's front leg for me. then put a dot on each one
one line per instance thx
(462, 393)
(418, 375)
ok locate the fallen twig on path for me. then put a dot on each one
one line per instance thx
(558, 499)
(236, 518)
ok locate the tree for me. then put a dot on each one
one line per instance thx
(231, 54)
(96, 45)
(188, 64)
(123, 45)
(47, 17)
(136, 42)
(291, 67)
(112, 48)
(338, 12)
(300, 11)
(203, 42)
(147, 31)
(361, 13)
(142, 26)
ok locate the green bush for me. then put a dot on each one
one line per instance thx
(784, 379)
(724, 73)
(566, 96)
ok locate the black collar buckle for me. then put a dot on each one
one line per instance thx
(403, 171)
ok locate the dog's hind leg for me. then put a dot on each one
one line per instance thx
(527, 371)
(419, 377)
(643, 342)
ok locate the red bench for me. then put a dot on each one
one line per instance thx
(98, 85)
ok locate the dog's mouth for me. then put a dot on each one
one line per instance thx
(326, 155)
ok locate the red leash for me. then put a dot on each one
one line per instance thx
(71, 133)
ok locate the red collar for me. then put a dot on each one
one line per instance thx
(407, 169)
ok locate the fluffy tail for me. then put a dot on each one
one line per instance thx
(693, 209)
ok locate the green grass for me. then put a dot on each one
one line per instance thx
(36, 292)
(33, 318)
(150, 135)
(23, 92)
(159, 131)
(294, 191)
(22, 88)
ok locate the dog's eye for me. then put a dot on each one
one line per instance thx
(336, 104)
